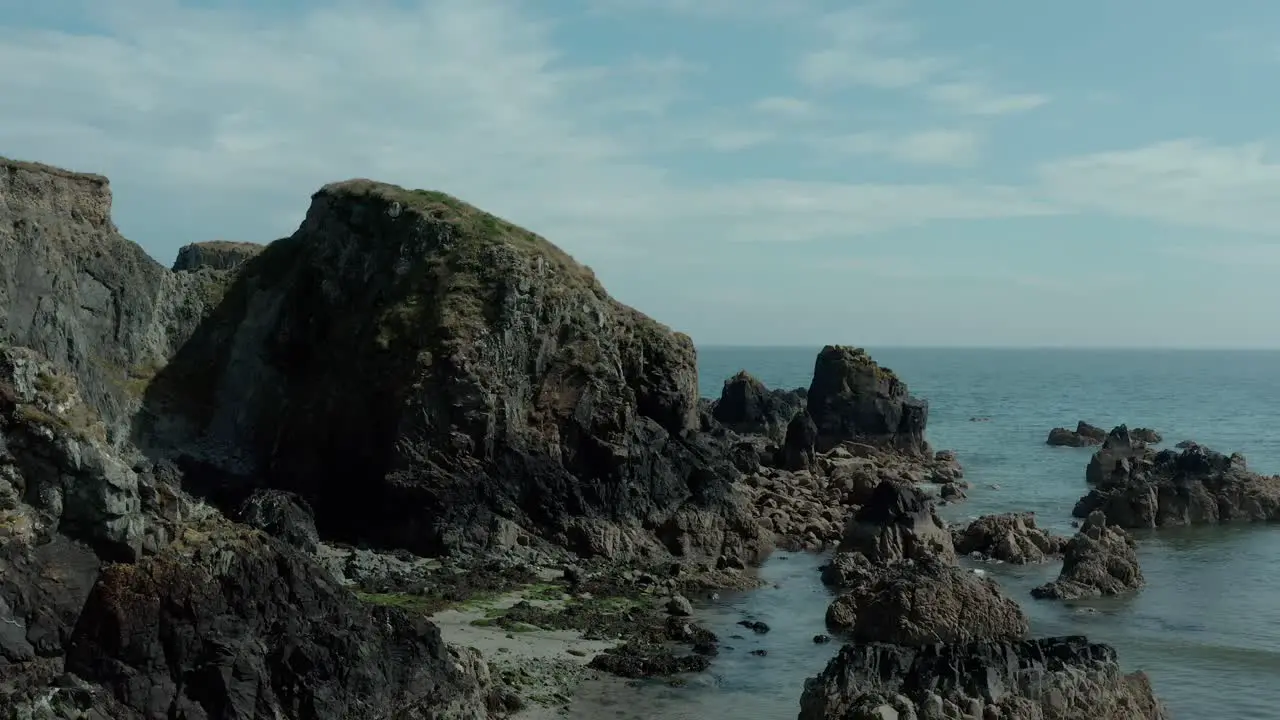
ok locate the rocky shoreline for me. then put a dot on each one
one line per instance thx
(414, 462)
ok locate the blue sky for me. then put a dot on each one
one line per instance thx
(761, 172)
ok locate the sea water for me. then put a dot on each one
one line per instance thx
(1206, 627)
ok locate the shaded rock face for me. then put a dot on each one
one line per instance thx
(918, 603)
(215, 254)
(747, 406)
(898, 522)
(75, 291)
(1195, 486)
(1062, 678)
(853, 398)
(284, 515)
(1083, 436)
(798, 449)
(232, 623)
(1117, 456)
(498, 380)
(1099, 560)
(1011, 537)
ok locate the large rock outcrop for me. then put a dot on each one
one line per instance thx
(1119, 453)
(1083, 436)
(1063, 678)
(420, 372)
(1195, 486)
(92, 302)
(229, 622)
(853, 398)
(215, 254)
(746, 406)
(1099, 560)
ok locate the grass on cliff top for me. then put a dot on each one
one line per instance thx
(474, 224)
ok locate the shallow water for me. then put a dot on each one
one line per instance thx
(1206, 627)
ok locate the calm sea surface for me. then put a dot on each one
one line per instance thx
(1206, 627)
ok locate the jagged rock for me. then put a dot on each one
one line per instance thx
(918, 603)
(746, 406)
(853, 398)
(498, 379)
(1061, 678)
(1119, 453)
(75, 291)
(1099, 560)
(1010, 537)
(232, 623)
(1083, 436)
(1195, 486)
(1184, 444)
(215, 254)
(1146, 435)
(284, 515)
(798, 449)
(898, 522)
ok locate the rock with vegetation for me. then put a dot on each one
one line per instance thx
(215, 254)
(1060, 678)
(497, 381)
(746, 406)
(854, 398)
(1010, 537)
(74, 290)
(1100, 560)
(1194, 486)
(1083, 436)
(230, 622)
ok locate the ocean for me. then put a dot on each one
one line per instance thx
(1206, 627)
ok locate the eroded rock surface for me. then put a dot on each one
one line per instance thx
(1194, 486)
(1010, 537)
(1062, 678)
(898, 522)
(746, 406)
(1118, 456)
(215, 254)
(854, 398)
(1099, 560)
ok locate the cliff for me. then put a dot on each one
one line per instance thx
(78, 293)
(426, 374)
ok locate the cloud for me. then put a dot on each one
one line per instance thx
(219, 122)
(930, 147)
(1189, 182)
(788, 107)
(866, 46)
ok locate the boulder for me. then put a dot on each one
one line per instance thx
(497, 381)
(284, 515)
(1119, 453)
(1010, 537)
(1060, 678)
(229, 622)
(215, 254)
(1194, 486)
(853, 398)
(1083, 436)
(1146, 435)
(746, 406)
(798, 449)
(1099, 560)
(918, 603)
(898, 522)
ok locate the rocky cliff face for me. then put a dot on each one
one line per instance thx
(853, 398)
(215, 254)
(78, 293)
(422, 372)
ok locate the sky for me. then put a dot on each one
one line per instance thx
(751, 172)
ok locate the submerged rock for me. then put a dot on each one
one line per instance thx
(1010, 537)
(1099, 560)
(1063, 678)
